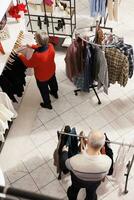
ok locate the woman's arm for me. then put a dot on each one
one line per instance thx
(33, 46)
(28, 63)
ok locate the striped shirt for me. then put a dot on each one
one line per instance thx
(89, 167)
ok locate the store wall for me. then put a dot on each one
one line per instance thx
(4, 4)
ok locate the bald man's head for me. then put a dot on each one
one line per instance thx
(96, 139)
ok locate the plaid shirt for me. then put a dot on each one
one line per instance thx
(118, 66)
(127, 50)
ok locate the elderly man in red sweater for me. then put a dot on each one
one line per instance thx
(43, 63)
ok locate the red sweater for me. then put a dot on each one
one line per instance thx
(42, 62)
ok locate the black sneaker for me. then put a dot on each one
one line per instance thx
(54, 95)
(49, 106)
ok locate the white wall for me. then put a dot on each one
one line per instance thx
(4, 6)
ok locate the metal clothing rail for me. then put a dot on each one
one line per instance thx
(112, 142)
(103, 27)
(98, 45)
(130, 163)
(14, 192)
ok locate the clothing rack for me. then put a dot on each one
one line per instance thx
(80, 136)
(91, 86)
(5, 135)
(12, 193)
(103, 27)
(129, 165)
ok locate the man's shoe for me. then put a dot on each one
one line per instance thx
(54, 95)
(46, 106)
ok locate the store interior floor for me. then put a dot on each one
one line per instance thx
(27, 156)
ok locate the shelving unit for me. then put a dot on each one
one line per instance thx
(35, 12)
(14, 28)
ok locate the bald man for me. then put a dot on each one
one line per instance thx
(88, 168)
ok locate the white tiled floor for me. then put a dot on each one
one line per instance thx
(115, 116)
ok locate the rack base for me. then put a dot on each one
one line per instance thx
(93, 87)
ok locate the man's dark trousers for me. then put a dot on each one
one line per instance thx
(77, 184)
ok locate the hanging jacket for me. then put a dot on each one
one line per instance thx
(109, 152)
(97, 7)
(84, 79)
(69, 141)
(48, 2)
(127, 50)
(87, 68)
(118, 66)
(72, 143)
(62, 139)
(7, 87)
(100, 69)
(74, 59)
(5, 100)
(12, 79)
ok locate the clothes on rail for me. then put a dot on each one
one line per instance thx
(92, 65)
(2, 182)
(127, 50)
(124, 155)
(86, 62)
(7, 113)
(109, 153)
(99, 35)
(99, 8)
(71, 142)
(74, 59)
(118, 66)
(12, 79)
(113, 9)
(75, 147)
(48, 2)
(2, 179)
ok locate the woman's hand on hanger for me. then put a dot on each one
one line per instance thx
(19, 54)
(29, 46)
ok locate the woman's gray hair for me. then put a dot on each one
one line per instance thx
(96, 139)
(42, 38)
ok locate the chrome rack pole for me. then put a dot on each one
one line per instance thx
(111, 142)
